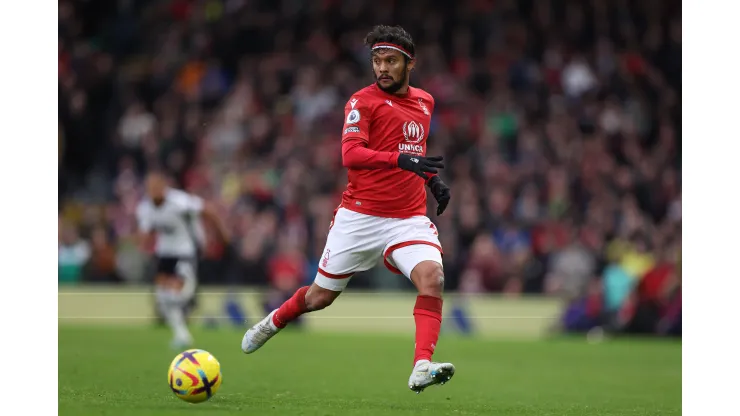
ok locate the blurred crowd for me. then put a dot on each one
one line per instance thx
(559, 121)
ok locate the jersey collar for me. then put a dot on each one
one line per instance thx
(407, 95)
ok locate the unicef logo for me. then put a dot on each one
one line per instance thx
(413, 132)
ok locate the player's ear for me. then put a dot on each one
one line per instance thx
(411, 64)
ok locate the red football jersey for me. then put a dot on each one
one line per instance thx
(387, 123)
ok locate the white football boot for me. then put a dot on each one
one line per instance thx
(427, 373)
(257, 335)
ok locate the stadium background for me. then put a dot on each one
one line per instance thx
(559, 120)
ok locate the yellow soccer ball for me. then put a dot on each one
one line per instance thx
(194, 376)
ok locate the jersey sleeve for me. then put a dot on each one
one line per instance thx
(356, 119)
(355, 155)
(187, 203)
(192, 204)
(143, 220)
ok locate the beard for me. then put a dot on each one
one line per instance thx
(395, 86)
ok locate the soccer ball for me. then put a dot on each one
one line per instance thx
(194, 376)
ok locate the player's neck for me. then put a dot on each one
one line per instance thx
(402, 92)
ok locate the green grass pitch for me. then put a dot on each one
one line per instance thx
(123, 371)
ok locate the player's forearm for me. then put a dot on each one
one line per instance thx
(356, 156)
(209, 213)
(144, 240)
(223, 233)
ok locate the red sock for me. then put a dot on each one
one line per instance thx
(291, 309)
(428, 318)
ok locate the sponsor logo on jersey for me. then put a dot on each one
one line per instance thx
(410, 148)
(389, 102)
(353, 129)
(413, 132)
(352, 102)
(165, 229)
(353, 117)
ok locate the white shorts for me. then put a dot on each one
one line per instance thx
(356, 242)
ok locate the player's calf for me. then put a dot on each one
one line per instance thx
(306, 299)
(172, 301)
(318, 298)
(428, 277)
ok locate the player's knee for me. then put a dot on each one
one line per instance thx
(429, 278)
(318, 298)
(169, 282)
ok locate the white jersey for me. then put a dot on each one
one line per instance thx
(176, 222)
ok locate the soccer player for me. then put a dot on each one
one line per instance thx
(173, 218)
(383, 209)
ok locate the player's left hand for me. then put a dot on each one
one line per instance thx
(441, 193)
(420, 165)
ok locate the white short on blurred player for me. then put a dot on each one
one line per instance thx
(173, 217)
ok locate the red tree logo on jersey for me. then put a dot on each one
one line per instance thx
(413, 132)
(326, 257)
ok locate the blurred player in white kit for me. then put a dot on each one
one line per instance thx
(174, 219)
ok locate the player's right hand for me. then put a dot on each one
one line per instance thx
(420, 165)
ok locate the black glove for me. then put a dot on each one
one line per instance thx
(420, 164)
(441, 193)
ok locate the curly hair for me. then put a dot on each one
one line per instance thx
(391, 34)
